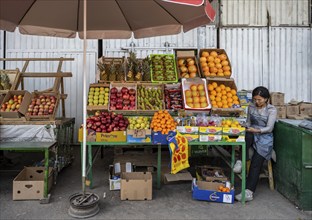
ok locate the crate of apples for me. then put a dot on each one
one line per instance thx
(195, 94)
(42, 105)
(122, 96)
(15, 104)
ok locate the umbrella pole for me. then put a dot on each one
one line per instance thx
(84, 91)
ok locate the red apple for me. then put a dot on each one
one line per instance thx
(132, 91)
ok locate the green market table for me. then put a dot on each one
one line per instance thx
(34, 147)
(159, 146)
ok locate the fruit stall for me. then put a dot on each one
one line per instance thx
(28, 120)
(155, 100)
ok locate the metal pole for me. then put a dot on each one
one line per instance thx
(84, 102)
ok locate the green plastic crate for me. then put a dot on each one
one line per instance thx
(162, 68)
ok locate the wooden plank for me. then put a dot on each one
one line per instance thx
(47, 74)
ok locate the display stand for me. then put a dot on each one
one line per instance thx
(58, 86)
(213, 144)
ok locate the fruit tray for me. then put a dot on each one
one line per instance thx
(227, 103)
(214, 64)
(187, 67)
(195, 94)
(43, 106)
(98, 96)
(150, 97)
(16, 102)
(123, 97)
(163, 68)
(173, 96)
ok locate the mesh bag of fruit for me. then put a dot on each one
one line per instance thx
(178, 147)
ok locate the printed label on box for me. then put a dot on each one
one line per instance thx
(227, 198)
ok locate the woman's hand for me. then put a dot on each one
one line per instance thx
(253, 130)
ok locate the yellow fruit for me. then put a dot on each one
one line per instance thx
(210, 87)
(214, 54)
(222, 56)
(205, 54)
(226, 68)
(218, 66)
(210, 59)
(214, 84)
(217, 60)
(224, 63)
(233, 91)
(202, 59)
(211, 64)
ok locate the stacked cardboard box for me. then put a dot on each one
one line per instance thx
(278, 100)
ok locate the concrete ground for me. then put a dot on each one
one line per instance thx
(173, 201)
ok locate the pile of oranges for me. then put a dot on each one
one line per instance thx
(230, 123)
(222, 188)
(214, 64)
(222, 96)
(163, 122)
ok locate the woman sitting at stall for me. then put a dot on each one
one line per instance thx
(259, 135)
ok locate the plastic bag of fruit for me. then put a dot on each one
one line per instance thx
(178, 147)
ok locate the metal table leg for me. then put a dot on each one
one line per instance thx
(90, 159)
(158, 166)
(243, 172)
(232, 164)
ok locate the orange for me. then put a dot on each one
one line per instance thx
(229, 95)
(233, 91)
(235, 98)
(218, 99)
(219, 104)
(202, 59)
(220, 74)
(224, 97)
(222, 86)
(224, 102)
(218, 89)
(192, 75)
(215, 106)
(219, 95)
(236, 102)
(227, 73)
(213, 74)
(225, 106)
(205, 54)
(213, 92)
(223, 92)
(226, 68)
(222, 56)
(229, 99)
(211, 64)
(214, 84)
(206, 73)
(217, 60)
(224, 63)
(213, 102)
(218, 66)
(203, 64)
(214, 54)
(210, 58)
(228, 89)
(220, 70)
(210, 87)
(212, 97)
(213, 69)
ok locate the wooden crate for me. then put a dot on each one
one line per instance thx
(49, 117)
(150, 85)
(98, 107)
(119, 85)
(108, 61)
(219, 51)
(186, 55)
(227, 112)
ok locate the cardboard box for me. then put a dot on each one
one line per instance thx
(234, 131)
(228, 138)
(209, 173)
(114, 136)
(159, 138)
(190, 132)
(210, 137)
(245, 96)
(90, 135)
(23, 106)
(281, 111)
(139, 136)
(208, 191)
(210, 130)
(292, 110)
(29, 183)
(277, 98)
(178, 177)
(198, 150)
(136, 186)
(185, 55)
(305, 108)
(219, 51)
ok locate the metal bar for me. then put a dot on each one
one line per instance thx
(232, 165)
(63, 100)
(90, 176)
(46, 173)
(243, 171)
(158, 165)
(37, 59)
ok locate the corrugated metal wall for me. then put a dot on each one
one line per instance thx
(279, 58)
(255, 12)
(21, 46)
(1, 47)
(197, 38)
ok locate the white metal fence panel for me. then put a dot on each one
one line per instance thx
(247, 51)
(1, 47)
(278, 58)
(291, 62)
(257, 13)
(196, 38)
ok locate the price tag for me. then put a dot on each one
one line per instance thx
(227, 198)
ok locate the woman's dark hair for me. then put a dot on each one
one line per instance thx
(261, 91)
